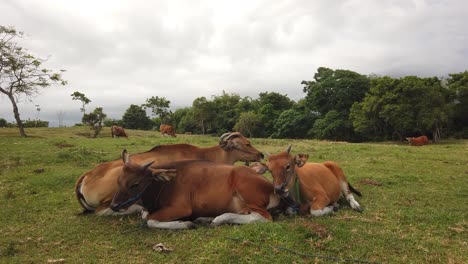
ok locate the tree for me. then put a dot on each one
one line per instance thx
(458, 84)
(184, 121)
(295, 122)
(159, 108)
(269, 106)
(248, 123)
(3, 122)
(203, 113)
(406, 106)
(135, 118)
(95, 120)
(335, 90)
(81, 97)
(21, 74)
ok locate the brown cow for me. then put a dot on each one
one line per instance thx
(95, 188)
(315, 186)
(198, 189)
(167, 130)
(417, 141)
(118, 131)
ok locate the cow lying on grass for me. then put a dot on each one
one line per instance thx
(187, 190)
(95, 188)
(417, 141)
(316, 187)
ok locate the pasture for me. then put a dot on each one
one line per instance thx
(415, 200)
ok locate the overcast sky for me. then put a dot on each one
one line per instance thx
(121, 52)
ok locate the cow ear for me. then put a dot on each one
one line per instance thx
(258, 167)
(163, 174)
(301, 159)
(125, 156)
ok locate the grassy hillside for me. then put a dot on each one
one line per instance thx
(415, 199)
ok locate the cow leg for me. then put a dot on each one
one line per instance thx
(320, 205)
(162, 218)
(203, 220)
(349, 196)
(232, 218)
(104, 210)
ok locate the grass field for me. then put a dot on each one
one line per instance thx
(415, 199)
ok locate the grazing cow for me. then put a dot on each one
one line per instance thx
(186, 190)
(95, 188)
(417, 141)
(118, 131)
(316, 187)
(167, 130)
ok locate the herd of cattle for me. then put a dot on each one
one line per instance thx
(176, 186)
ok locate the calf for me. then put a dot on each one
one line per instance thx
(167, 130)
(194, 189)
(314, 186)
(118, 131)
(417, 141)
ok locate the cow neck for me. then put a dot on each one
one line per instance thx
(217, 154)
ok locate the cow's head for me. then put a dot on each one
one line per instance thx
(239, 146)
(134, 180)
(283, 169)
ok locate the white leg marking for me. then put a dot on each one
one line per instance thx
(144, 214)
(355, 205)
(231, 218)
(170, 225)
(324, 211)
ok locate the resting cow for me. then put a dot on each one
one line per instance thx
(186, 190)
(118, 131)
(417, 141)
(316, 187)
(95, 188)
(167, 130)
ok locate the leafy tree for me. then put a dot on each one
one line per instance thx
(159, 108)
(203, 113)
(295, 122)
(335, 90)
(108, 122)
(458, 85)
(184, 121)
(81, 97)
(248, 123)
(225, 112)
(3, 122)
(21, 74)
(401, 107)
(94, 120)
(135, 118)
(269, 106)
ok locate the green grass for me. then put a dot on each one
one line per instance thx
(417, 215)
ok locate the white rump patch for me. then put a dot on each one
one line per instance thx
(231, 218)
(170, 225)
(324, 211)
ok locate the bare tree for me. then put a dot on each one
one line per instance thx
(60, 116)
(21, 74)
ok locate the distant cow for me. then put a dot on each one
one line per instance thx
(417, 141)
(188, 133)
(118, 131)
(186, 190)
(315, 187)
(167, 129)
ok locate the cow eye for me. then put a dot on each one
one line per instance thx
(248, 145)
(134, 185)
(287, 167)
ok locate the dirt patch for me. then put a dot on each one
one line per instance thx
(64, 145)
(317, 229)
(370, 182)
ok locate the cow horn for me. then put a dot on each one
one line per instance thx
(146, 165)
(288, 149)
(221, 138)
(267, 155)
(125, 156)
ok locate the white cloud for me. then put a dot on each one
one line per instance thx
(121, 52)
